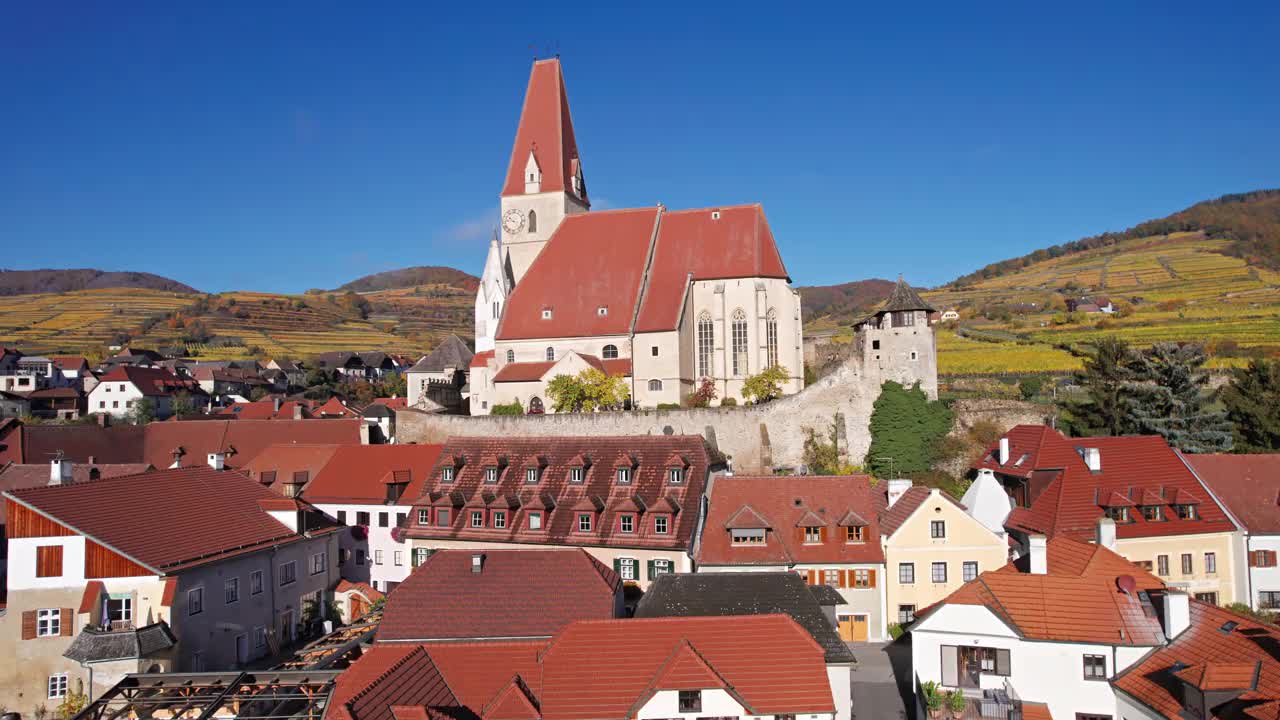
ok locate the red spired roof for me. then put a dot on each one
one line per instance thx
(737, 245)
(1140, 467)
(517, 594)
(785, 504)
(546, 129)
(1249, 485)
(610, 669)
(137, 515)
(356, 474)
(1240, 657)
(1077, 600)
(592, 260)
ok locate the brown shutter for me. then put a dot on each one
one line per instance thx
(840, 578)
(29, 625)
(1271, 558)
(822, 534)
(68, 619)
(871, 576)
(813, 577)
(800, 534)
(1253, 559)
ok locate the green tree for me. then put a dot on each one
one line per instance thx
(183, 404)
(1253, 406)
(393, 385)
(1030, 386)
(588, 391)
(906, 431)
(1107, 378)
(144, 411)
(766, 384)
(1169, 399)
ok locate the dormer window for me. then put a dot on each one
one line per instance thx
(491, 475)
(1186, 512)
(813, 535)
(576, 475)
(602, 311)
(446, 474)
(754, 536)
(660, 524)
(624, 476)
(1118, 514)
(675, 476)
(627, 523)
(499, 519)
(855, 534)
(546, 313)
(1153, 513)
(584, 522)
(477, 518)
(535, 519)
(424, 516)
(531, 475)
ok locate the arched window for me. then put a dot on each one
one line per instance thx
(533, 221)
(511, 356)
(655, 386)
(551, 354)
(739, 338)
(771, 336)
(535, 406)
(706, 343)
(609, 352)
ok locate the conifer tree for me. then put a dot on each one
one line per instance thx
(1168, 399)
(1107, 379)
(1253, 406)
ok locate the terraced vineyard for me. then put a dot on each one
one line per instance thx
(241, 324)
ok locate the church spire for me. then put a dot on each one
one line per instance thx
(545, 140)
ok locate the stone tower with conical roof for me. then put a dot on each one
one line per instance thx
(896, 341)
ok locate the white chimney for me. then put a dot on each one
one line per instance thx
(1106, 536)
(1039, 554)
(1093, 458)
(1177, 613)
(1004, 451)
(477, 562)
(898, 488)
(60, 471)
(217, 460)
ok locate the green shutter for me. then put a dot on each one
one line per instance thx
(652, 572)
(617, 566)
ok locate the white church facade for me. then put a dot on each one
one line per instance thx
(664, 298)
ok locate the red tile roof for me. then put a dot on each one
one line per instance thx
(531, 371)
(334, 408)
(481, 359)
(1249, 485)
(393, 403)
(592, 260)
(370, 594)
(14, 476)
(609, 669)
(354, 473)
(1135, 466)
(517, 594)
(892, 517)
(278, 465)
(1077, 600)
(241, 439)
(166, 520)
(69, 362)
(559, 499)
(546, 129)
(267, 410)
(782, 503)
(152, 382)
(1205, 654)
(690, 242)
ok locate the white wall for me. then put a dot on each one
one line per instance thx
(1261, 579)
(378, 539)
(715, 703)
(102, 397)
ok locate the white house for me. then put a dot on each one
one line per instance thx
(1247, 487)
(119, 391)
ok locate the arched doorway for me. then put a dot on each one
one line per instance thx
(535, 406)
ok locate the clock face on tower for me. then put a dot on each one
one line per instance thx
(512, 221)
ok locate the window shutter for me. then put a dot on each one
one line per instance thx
(652, 574)
(840, 579)
(950, 665)
(813, 577)
(822, 534)
(68, 619)
(1002, 662)
(1271, 558)
(871, 578)
(29, 625)
(617, 566)
(1253, 559)
(799, 534)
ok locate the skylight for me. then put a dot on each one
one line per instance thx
(1228, 626)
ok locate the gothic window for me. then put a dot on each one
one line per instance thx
(609, 352)
(495, 309)
(533, 221)
(771, 337)
(739, 337)
(706, 342)
(655, 386)
(551, 354)
(511, 356)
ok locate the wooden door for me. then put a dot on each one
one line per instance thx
(859, 628)
(846, 628)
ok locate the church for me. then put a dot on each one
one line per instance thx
(665, 298)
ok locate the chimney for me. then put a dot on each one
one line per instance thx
(217, 460)
(275, 404)
(1106, 535)
(1039, 554)
(1093, 458)
(477, 562)
(898, 488)
(1004, 451)
(1177, 613)
(60, 471)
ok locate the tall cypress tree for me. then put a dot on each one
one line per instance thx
(1253, 406)
(1168, 399)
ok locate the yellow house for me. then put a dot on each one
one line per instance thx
(931, 548)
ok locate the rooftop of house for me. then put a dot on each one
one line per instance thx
(1231, 659)
(465, 594)
(1249, 485)
(451, 353)
(334, 408)
(92, 645)
(135, 515)
(650, 489)
(590, 670)
(279, 465)
(269, 409)
(745, 593)
(14, 476)
(1133, 471)
(535, 370)
(784, 507)
(1079, 598)
(892, 517)
(151, 382)
(359, 474)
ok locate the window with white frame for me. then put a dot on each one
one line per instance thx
(424, 516)
(491, 475)
(255, 582)
(419, 556)
(906, 614)
(624, 476)
(970, 570)
(48, 622)
(377, 557)
(627, 568)
(531, 476)
(747, 536)
(535, 520)
(706, 343)
(675, 475)
(771, 337)
(627, 523)
(195, 601)
(584, 522)
(398, 557)
(288, 572)
(739, 338)
(499, 519)
(446, 474)
(576, 474)
(660, 525)
(610, 352)
(120, 609)
(477, 518)
(57, 686)
(231, 591)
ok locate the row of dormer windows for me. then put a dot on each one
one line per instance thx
(577, 475)
(1152, 513)
(627, 523)
(815, 535)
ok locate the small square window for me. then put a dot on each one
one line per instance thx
(442, 517)
(477, 518)
(937, 529)
(627, 523)
(424, 516)
(690, 701)
(660, 525)
(531, 476)
(675, 476)
(624, 476)
(602, 311)
(1095, 667)
(535, 520)
(546, 314)
(970, 569)
(446, 474)
(491, 475)
(576, 474)
(499, 519)
(906, 614)
(584, 522)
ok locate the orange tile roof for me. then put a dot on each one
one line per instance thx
(1077, 600)
(481, 359)
(354, 473)
(1249, 485)
(531, 371)
(546, 129)
(779, 503)
(1212, 654)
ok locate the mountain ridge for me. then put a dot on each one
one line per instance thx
(61, 280)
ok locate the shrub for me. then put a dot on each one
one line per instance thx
(1030, 386)
(512, 408)
(668, 406)
(588, 391)
(729, 402)
(766, 384)
(895, 631)
(705, 393)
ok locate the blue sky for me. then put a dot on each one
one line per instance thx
(281, 146)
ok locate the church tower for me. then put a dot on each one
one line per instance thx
(491, 297)
(544, 178)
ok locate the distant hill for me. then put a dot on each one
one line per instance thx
(1248, 222)
(27, 282)
(412, 277)
(842, 304)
